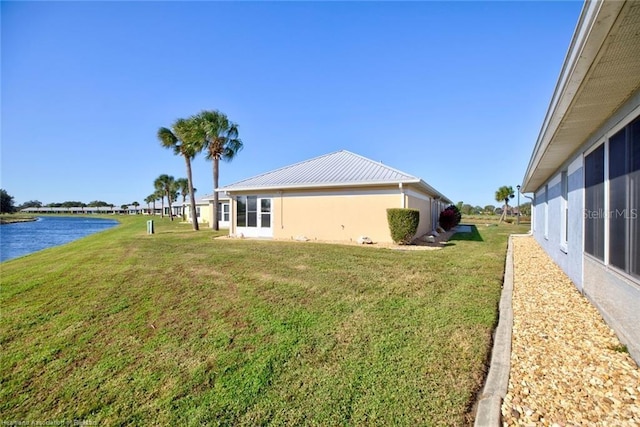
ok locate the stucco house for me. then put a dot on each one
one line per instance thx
(585, 167)
(204, 210)
(339, 196)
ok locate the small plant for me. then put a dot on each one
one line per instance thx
(620, 348)
(508, 220)
(450, 217)
(403, 224)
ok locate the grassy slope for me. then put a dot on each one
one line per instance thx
(179, 328)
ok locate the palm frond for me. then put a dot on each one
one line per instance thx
(167, 138)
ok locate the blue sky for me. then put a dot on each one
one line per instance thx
(452, 92)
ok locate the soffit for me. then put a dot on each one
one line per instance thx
(612, 78)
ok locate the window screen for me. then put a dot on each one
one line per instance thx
(618, 200)
(594, 203)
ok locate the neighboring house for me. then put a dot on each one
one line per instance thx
(340, 196)
(75, 210)
(204, 210)
(224, 209)
(585, 167)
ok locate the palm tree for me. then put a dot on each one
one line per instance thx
(503, 194)
(183, 189)
(159, 193)
(185, 141)
(173, 193)
(221, 142)
(167, 183)
(135, 205)
(150, 199)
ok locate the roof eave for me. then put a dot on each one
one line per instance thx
(596, 20)
(313, 186)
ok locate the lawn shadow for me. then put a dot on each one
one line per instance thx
(472, 236)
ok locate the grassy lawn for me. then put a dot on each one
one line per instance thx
(179, 328)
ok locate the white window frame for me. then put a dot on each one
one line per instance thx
(564, 214)
(546, 212)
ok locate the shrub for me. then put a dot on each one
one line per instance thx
(403, 224)
(450, 217)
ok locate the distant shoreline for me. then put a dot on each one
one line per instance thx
(13, 220)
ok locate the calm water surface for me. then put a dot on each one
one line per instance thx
(27, 237)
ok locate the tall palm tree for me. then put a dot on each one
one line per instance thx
(159, 195)
(173, 194)
(150, 199)
(221, 142)
(170, 191)
(183, 189)
(157, 184)
(503, 194)
(185, 141)
(165, 184)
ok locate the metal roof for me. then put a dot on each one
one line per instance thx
(203, 200)
(600, 73)
(339, 169)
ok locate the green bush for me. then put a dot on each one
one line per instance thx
(403, 224)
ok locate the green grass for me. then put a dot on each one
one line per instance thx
(178, 328)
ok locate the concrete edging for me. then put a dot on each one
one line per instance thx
(488, 413)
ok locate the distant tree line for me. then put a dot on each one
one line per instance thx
(8, 206)
(504, 194)
(467, 209)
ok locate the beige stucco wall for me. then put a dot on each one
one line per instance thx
(423, 204)
(204, 213)
(341, 217)
(341, 214)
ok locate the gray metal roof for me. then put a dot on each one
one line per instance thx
(203, 200)
(339, 169)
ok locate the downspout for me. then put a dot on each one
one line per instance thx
(281, 210)
(404, 200)
(435, 213)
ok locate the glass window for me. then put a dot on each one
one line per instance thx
(594, 203)
(241, 211)
(624, 199)
(618, 200)
(546, 211)
(265, 213)
(252, 211)
(223, 211)
(565, 207)
(634, 197)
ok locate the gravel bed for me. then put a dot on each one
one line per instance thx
(567, 366)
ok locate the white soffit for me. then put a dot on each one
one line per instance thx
(601, 72)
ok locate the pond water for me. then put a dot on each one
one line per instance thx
(23, 238)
